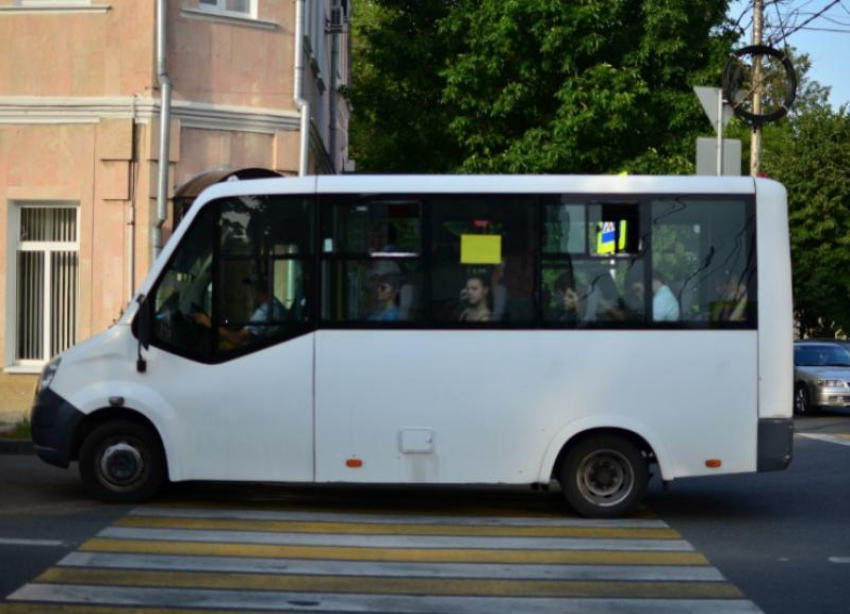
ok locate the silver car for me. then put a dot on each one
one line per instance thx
(821, 377)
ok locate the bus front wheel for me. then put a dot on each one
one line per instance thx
(604, 476)
(122, 462)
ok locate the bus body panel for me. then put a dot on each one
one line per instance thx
(497, 403)
(247, 419)
(776, 316)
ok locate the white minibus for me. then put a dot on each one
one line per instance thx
(520, 330)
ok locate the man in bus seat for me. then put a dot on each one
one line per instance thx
(264, 322)
(665, 305)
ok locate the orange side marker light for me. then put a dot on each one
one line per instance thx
(713, 463)
(354, 463)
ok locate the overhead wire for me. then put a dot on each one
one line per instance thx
(814, 16)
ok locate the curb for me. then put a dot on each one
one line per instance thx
(16, 446)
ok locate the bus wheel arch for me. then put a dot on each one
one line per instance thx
(604, 472)
(121, 455)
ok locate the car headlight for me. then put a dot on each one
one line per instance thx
(48, 374)
(832, 383)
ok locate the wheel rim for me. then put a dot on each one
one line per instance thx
(605, 478)
(802, 401)
(123, 464)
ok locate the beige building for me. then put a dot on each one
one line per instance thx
(84, 204)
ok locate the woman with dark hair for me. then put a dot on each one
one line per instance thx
(476, 293)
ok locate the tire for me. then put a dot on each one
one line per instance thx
(802, 402)
(604, 476)
(122, 462)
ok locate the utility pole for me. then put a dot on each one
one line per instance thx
(755, 141)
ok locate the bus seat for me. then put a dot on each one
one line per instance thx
(500, 301)
(406, 302)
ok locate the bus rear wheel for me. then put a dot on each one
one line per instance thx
(604, 476)
(122, 462)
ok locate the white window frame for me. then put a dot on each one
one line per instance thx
(221, 9)
(15, 244)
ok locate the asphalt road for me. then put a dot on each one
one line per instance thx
(781, 538)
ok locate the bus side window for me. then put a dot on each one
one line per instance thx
(704, 250)
(264, 253)
(371, 260)
(482, 260)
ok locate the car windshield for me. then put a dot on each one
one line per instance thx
(821, 356)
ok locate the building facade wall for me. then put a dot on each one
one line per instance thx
(79, 123)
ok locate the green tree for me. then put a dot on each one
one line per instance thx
(813, 162)
(592, 86)
(533, 85)
(400, 123)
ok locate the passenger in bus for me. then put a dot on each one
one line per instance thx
(476, 295)
(604, 301)
(264, 322)
(665, 305)
(386, 303)
(733, 299)
(567, 300)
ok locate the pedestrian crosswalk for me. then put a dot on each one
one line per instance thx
(199, 558)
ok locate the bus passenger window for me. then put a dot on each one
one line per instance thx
(482, 260)
(371, 260)
(704, 251)
(592, 272)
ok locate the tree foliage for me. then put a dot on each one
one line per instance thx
(812, 159)
(400, 123)
(533, 85)
(591, 86)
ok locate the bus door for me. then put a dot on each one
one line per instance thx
(232, 353)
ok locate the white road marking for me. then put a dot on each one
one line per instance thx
(397, 541)
(500, 571)
(828, 438)
(400, 604)
(237, 514)
(844, 560)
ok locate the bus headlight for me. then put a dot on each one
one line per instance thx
(832, 383)
(48, 374)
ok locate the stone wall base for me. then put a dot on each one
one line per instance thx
(16, 394)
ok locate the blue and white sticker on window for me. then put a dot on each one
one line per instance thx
(611, 237)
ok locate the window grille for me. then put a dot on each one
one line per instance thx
(47, 282)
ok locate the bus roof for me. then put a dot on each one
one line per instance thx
(504, 184)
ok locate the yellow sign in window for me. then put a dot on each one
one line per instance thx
(480, 249)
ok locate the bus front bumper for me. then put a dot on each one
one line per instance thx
(53, 423)
(775, 443)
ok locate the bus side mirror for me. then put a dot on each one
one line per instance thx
(143, 318)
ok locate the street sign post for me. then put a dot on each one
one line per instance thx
(719, 114)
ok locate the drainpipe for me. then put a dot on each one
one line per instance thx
(300, 102)
(164, 126)
(336, 30)
(131, 243)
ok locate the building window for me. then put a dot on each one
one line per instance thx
(46, 281)
(245, 8)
